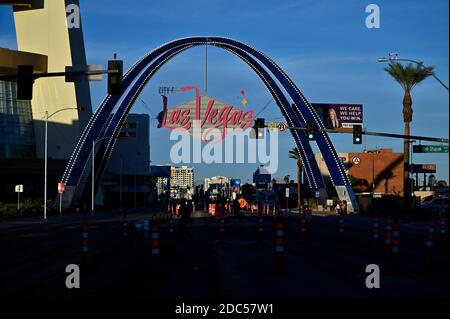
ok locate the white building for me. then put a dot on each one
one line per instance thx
(182, 176)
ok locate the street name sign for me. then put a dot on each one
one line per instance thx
(430, 148)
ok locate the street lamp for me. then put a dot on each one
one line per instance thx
(93, 172)
(47, 116)
(394, 57)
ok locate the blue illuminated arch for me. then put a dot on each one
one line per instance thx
(296, 115)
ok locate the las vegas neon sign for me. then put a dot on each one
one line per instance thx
(208, 116)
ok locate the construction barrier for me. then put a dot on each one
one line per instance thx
(222, 229)
(396, 249)
(146, 228)
(212, 209)
(279, 247)
(84, 241)
(260, 230)
(442, 227)
(155, 246)
(266, 209)
(341, 229)
(302, 228)
(429, 242)
(171, 228)
(376, 233)
(388, 236)
(169, 210)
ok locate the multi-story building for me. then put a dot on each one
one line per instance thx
(127, 174)
(161, 179)
(182, 176)
(375, 171)
(43, 40)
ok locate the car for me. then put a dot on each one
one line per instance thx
(435, 205)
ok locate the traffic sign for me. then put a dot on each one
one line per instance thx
(287, 192)
(317, 194)
(356, 160)
(423, 168)
(19, 188)
(430, 148)
(281, 127)
(272, 126)
(61, 188)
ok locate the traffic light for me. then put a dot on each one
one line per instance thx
(115, 79)
(310, 131)
(25, 82)
(259, 128)
(357, 134)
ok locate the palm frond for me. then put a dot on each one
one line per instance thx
(294, 154)
(410, 75)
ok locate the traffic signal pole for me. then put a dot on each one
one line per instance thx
(56, 74)
(401, 136)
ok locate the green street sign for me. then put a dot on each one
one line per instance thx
(430, 148)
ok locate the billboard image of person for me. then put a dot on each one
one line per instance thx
(332, 120)
(335, 116)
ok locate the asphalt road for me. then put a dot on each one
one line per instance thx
(34, 256)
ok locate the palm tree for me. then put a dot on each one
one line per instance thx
(408, 77)
(295, 154)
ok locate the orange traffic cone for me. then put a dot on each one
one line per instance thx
(279, 247)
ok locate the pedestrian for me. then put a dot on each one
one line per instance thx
(184, 214)
(344, 207)
(338, 208)
(308, 214)
(236, 209)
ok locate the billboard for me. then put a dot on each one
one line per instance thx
(235, 185)
(339, 115)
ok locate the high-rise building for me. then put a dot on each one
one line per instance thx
(45, 40)
(182, 176)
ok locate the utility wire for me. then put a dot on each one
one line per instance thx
(148, 108)
(265, 107)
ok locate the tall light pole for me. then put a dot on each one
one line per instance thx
(47, 116)
(412, 165)
(93, 173)
(394, 57)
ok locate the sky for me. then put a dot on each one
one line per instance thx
(324, 46)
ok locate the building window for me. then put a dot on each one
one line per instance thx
(16, 124)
